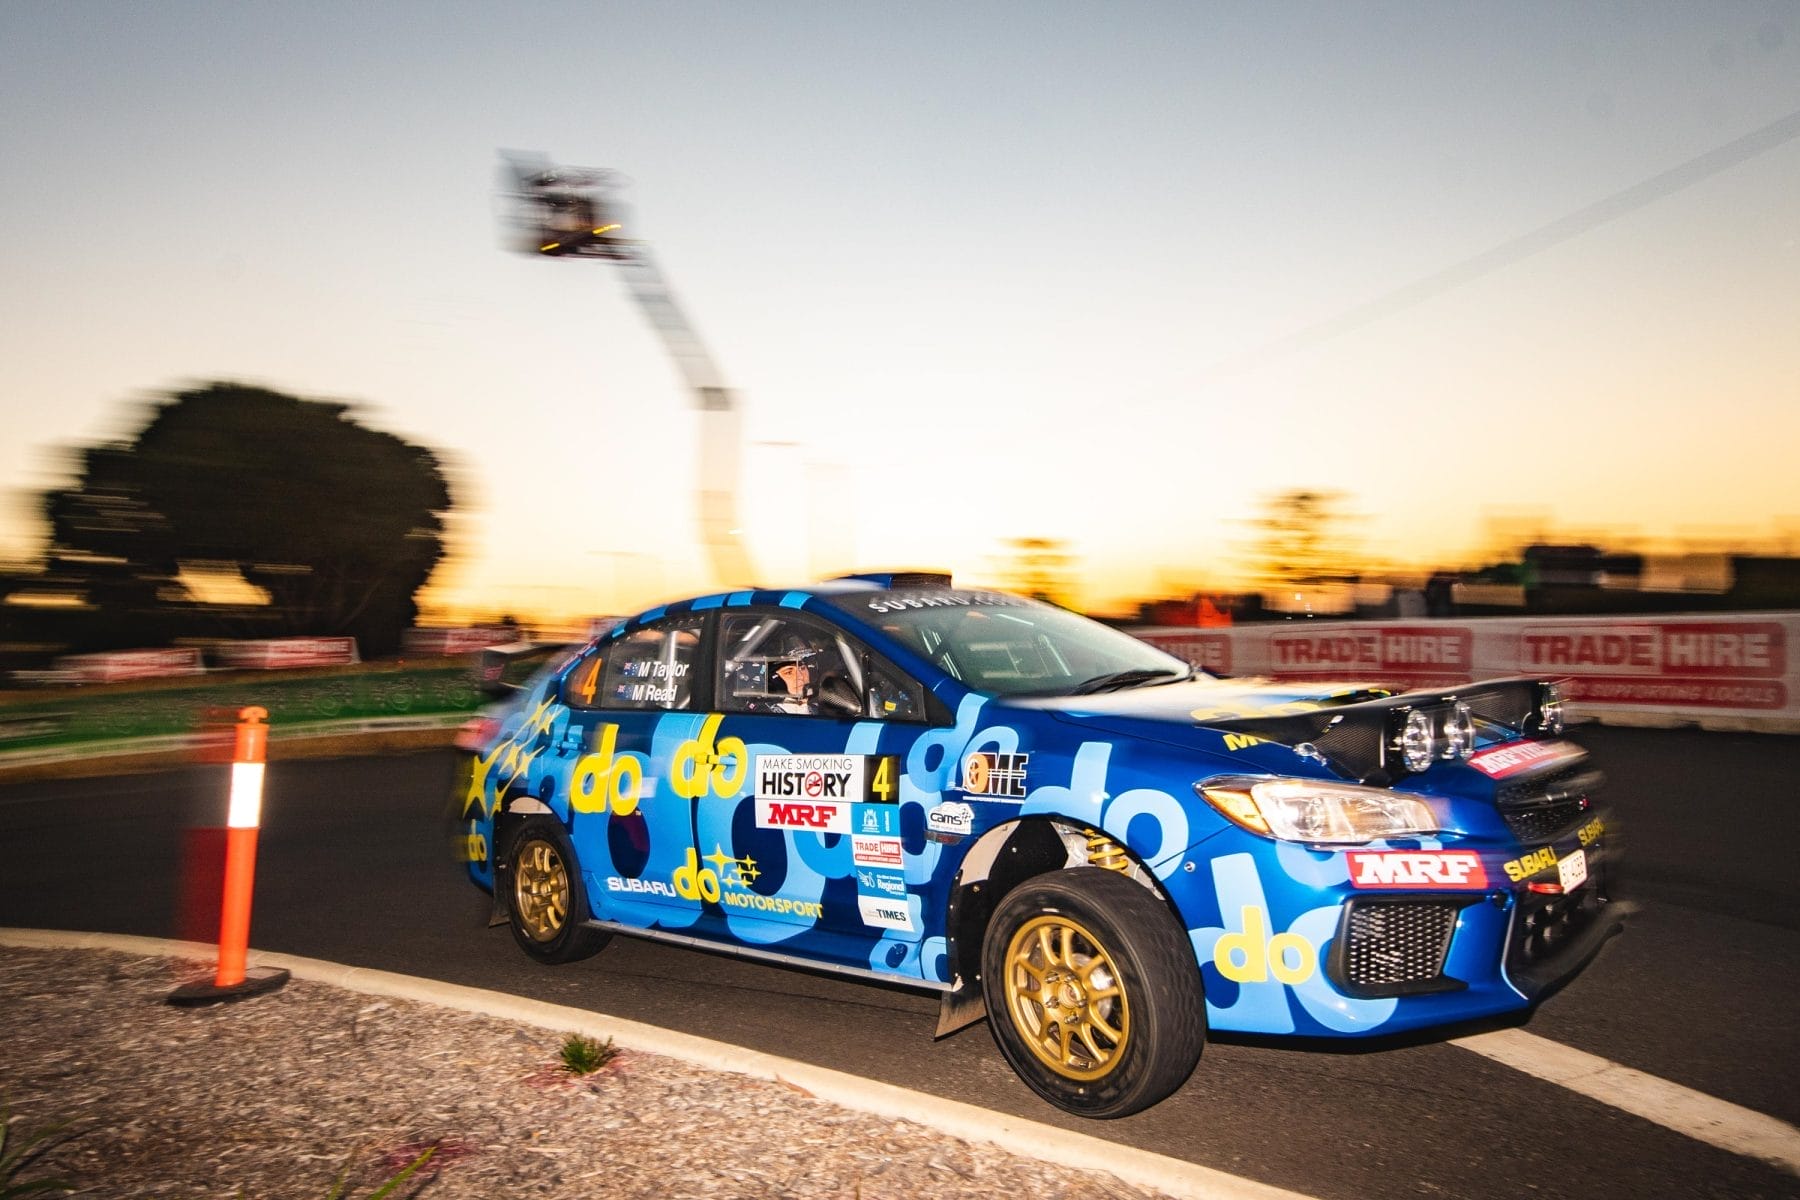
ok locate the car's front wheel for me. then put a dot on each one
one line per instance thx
(544, 896)
(1092, 991)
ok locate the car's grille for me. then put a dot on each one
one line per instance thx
(1395, 947)
(1537, 810)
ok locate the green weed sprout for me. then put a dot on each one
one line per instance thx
(386, 1189)
(16, 1156)
(583, 1055)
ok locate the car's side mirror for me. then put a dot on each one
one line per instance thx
(493, 663)
(490, 674)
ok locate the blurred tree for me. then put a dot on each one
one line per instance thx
(1301, 539)
(1041, 568)
(338, 523)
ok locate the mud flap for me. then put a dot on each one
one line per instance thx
(962, 1006)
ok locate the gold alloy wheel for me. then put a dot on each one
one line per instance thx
(1064, 994)
(540, 890)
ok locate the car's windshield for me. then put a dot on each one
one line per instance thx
(1013, 646)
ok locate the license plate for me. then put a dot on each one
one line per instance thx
(1572, 870)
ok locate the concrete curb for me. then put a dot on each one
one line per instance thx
(1140, 1168)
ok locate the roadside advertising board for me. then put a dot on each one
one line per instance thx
(450, 641)
(120, 665)
(1721, 671)
(276, 654)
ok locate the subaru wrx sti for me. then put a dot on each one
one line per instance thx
(1052, 824)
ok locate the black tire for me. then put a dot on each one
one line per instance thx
(545, 901)
(1092, 991)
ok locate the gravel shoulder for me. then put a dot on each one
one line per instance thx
(279, 1095)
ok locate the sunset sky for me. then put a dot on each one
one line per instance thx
(1110, 274)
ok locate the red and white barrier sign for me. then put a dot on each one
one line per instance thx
(1686, 664)
(1728, 671)
(1419, 655)
(422, 641)
(276, 654)
(121, 665)
(1210, 651)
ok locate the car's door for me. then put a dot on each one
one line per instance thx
(627, 701)
(798, 821)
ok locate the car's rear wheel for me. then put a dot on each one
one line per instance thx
(544, 896)
(1093, 992)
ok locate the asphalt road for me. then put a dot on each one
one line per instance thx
(1700, 990)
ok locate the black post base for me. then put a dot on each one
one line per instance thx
(257, 980)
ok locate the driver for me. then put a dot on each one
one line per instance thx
(792, 673)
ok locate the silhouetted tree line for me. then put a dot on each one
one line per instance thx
(338, 524)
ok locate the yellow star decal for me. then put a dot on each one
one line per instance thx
(476, 795)
(541, 718)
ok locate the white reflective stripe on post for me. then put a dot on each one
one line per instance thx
(246, 796)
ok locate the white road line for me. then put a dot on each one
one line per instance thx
(1695, 1114)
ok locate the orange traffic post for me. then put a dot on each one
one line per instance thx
(234, 979)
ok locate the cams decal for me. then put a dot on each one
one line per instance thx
(951, 817)
(1416, 869)
(990, 774)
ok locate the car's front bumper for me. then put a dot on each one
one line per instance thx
(1298, 948)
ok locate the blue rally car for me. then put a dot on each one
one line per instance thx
(1048, 821)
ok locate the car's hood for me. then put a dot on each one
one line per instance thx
(1350, 725)
(1208, 701)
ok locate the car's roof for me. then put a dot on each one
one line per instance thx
(913, 582)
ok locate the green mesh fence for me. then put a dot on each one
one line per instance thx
(165, 708)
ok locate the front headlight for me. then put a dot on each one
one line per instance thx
(1550, 709)
(1317, 810)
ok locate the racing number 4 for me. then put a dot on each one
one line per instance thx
(882, 785)
(585, 689)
